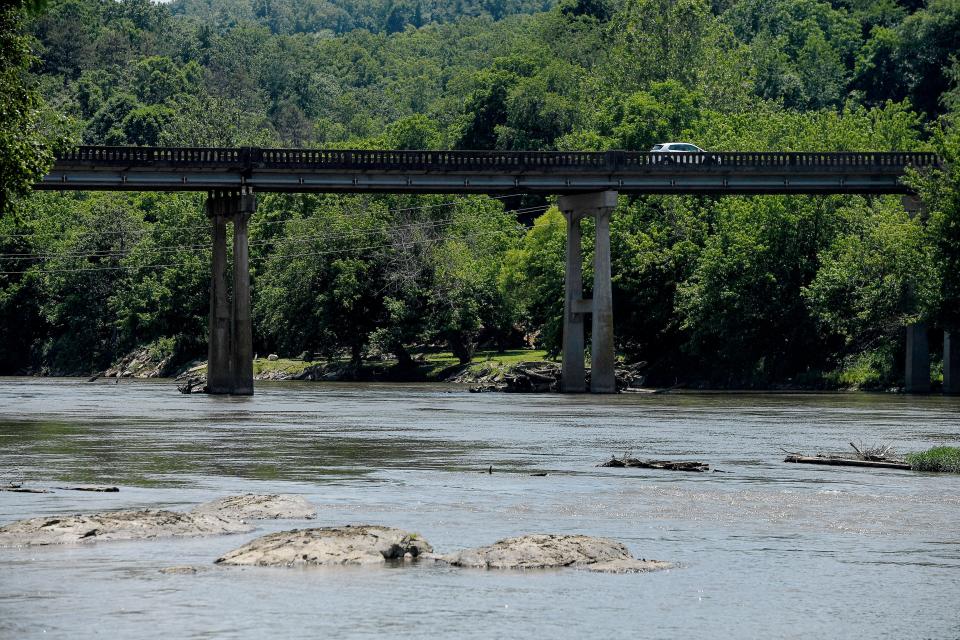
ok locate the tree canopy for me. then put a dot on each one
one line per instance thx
(731, 291)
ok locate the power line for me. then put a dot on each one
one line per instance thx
(390, 245)
(272, 222)
(284, 239)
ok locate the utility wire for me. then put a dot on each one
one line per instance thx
(451, 203)
(279, 240)
(389, 245)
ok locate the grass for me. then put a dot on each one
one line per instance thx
(430, 365)
(939, 459)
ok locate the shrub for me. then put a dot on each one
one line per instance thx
(940, 459)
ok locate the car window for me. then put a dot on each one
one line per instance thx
(689, 147)
(657, 147)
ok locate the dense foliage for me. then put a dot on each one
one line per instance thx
(731, 291)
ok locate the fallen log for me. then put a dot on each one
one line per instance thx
(845, 462)
(667, 465)
(94, 488)
(191, 385)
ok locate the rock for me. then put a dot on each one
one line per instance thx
(349, 545)
(273, 357)
(184, 570)
(544, 551)
(628, 566)
(116, 525)
(259, 507)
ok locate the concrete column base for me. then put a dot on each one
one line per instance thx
(951, 364)
(917, 369)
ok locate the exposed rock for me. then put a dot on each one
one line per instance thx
(145, 362)
(273, 357)
(543, 551)
(349, 545)
(183, 570)
(535, 377)
(116, 525)
(628, 566)
(259, 507)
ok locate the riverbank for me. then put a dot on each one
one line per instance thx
(514, 370)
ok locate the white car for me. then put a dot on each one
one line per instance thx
(670, 148)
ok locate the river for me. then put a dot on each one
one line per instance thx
(765, 550)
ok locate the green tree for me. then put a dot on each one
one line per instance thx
(26, 139)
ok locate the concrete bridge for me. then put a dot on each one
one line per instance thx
(588, 185)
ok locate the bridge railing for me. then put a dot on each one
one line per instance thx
(150, 155)
(246, 158)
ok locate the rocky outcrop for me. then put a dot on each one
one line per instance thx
(349, 545)
(116, 525)
(534, 377)
(259, 507)
(146, 362)
(544, 551)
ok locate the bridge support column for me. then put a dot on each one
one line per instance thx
(951, 363)
(917, 370)
(219, 375)
(242, 324)
(230, 352)
(573, 373)
(602, 377)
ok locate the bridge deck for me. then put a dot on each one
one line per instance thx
(493, 172)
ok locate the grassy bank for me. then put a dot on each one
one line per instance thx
(939, 459)
(428, 365)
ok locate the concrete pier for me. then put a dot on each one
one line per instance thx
(917, 370)
(603, 365)
(230, 351)
(219, 375)
(573, 376)
(951, 364)
(603, 377)
(242, 324)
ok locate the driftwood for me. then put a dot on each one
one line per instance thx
(19, 489)
(95, 488)
(668, 465)
(192, 385)
(845, 462)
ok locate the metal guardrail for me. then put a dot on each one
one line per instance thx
(248, 158)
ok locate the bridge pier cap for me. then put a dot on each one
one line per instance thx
(587, 203)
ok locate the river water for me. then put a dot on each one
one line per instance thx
(766, 550)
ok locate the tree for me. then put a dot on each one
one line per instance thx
(940, 193)
(26, 139)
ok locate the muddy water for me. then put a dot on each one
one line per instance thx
(767, 550)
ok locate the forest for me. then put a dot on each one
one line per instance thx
(722, 292)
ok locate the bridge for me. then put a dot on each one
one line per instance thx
(486, 172)
(587, 183)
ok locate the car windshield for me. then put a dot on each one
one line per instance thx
(657, 147)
